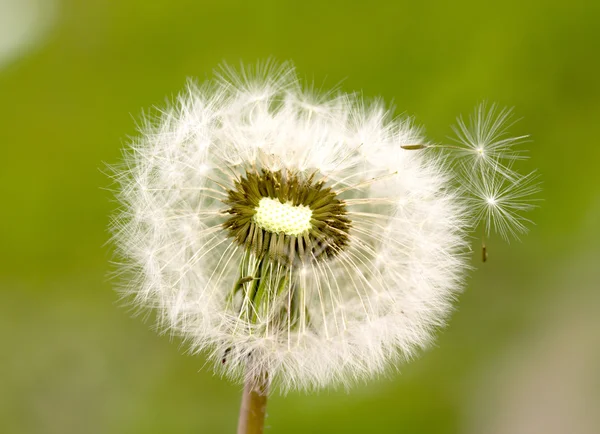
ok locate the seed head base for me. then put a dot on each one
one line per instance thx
(316, 236)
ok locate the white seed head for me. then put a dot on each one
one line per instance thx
(289, 233)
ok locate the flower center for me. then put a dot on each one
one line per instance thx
(274, 216)
(286, 216)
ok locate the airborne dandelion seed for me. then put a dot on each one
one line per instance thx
(307, 240)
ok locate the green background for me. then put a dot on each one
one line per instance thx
(522, 351)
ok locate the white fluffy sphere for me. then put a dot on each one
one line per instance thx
(361, 289)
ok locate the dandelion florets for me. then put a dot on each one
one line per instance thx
(283, 233)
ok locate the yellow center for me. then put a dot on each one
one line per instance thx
(274, 216)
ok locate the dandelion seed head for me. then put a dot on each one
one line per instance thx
(286, 231)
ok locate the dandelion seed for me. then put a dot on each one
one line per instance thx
(500, 203)
(484, 140)
(484, 165)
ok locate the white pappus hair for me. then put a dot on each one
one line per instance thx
(241, 278)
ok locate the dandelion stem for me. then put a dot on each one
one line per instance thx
(254, 406)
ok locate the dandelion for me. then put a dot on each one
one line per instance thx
(298, 240)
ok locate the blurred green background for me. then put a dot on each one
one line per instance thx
(522, 352)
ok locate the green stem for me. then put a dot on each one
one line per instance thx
(254, 406)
